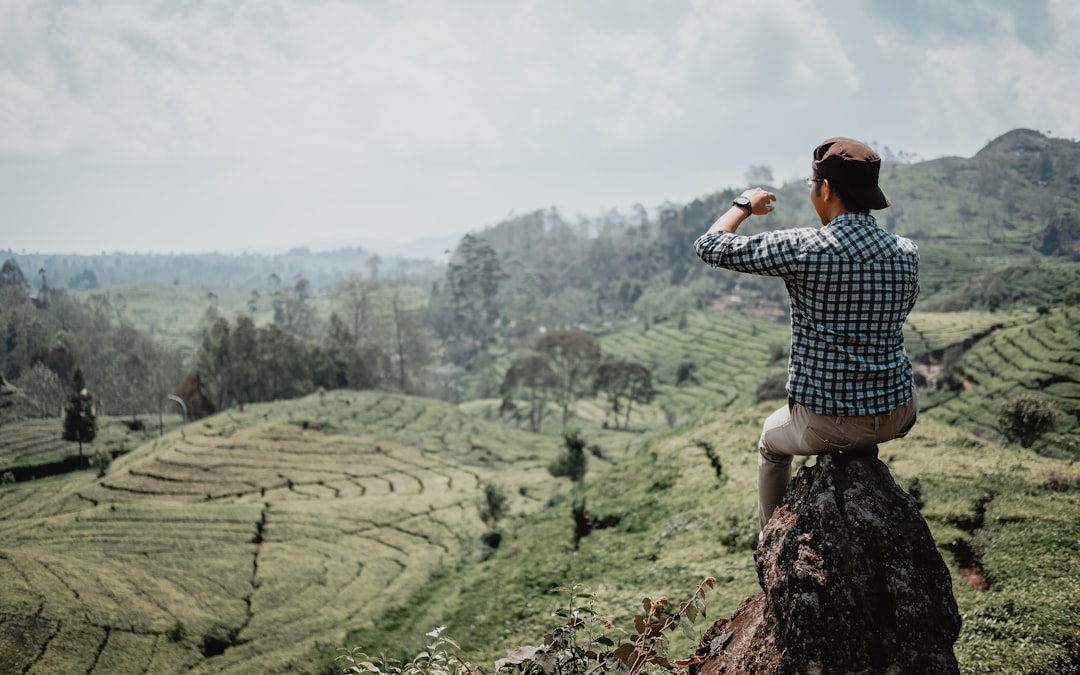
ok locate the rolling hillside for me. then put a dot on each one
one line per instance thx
(238, 543)
(248, 543)
(684, 508)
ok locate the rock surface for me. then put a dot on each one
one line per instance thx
(852, 583)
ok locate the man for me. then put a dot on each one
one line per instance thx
(851, 287)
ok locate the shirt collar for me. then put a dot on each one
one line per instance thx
(853, 219)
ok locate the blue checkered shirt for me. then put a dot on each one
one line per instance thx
(851, 287)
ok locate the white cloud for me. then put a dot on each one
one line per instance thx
(237, 121)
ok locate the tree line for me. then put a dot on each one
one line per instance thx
(45, 337)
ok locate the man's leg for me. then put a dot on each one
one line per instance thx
(794, 430)
(777, 445)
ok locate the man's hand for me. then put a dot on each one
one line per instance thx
(761, 201)
(761, 204)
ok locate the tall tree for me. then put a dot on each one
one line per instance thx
(244, 360)
(292, 307)
(572, 356)
(624, 382)
(44, 386)
(213, 360)
(473, 281)
(531, 376)
(79, 421)
(284, 364)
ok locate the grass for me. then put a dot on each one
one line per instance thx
(34, 442)
(172, 314)
(1040, 355)
(930, 333)
(239, 542)
(680, 522)
(247, 539)
(259, 539)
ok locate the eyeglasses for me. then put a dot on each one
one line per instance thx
(810, 182)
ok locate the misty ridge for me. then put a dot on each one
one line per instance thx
(965, 203)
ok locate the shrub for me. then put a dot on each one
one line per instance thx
(773, 388)
(1026, 418)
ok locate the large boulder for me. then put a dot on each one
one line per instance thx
(851, 583)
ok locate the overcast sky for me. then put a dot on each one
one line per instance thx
(169, 125)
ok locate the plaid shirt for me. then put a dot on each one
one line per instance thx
(851, 287)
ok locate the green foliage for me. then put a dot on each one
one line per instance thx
(586, 642)
(728, 359)
(245, 527)
(434, 660)
(312, 529)
(530, 377)
(624, 382)
(45, 387)
(772, 388)
(572, 463)
(1040, 355)
(572, 356)
(101, 460)
(1026, 418)
(80, 424)
(493, 505)
(468, 309)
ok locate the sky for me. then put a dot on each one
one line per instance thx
(260, 125)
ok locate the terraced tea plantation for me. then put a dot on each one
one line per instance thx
(1041, 355)
(237, 543)
(711, 362)
(930, 332)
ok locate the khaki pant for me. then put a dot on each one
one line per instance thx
(795, 430)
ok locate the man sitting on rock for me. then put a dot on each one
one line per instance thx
(851, 287)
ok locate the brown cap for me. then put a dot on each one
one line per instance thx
(852, 170)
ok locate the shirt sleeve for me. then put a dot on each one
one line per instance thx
(915, 287)
(774, 253)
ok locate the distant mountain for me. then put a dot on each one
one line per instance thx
(246, 270)
(437, 249)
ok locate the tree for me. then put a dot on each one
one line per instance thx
(572, 356)
(572, 463)
(11, 276)
(44, 386)
(243, 351)
(356, 294)
(493, 506)
(79, 421)
(284, 364)
(1025, 418)
(532, 375)
(409, 346)
(473, 281)
(292, 307)
(213, 360)
(624, 380)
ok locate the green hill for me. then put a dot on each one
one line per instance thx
(684, 509)
(255, 541)
(238, 543)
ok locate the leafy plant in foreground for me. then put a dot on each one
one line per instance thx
(580, 646)
(434, 660)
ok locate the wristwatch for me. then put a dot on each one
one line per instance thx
(743, 203)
